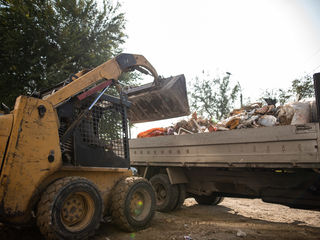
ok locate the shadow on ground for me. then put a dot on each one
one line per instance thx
(198, 222)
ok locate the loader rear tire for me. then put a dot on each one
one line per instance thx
(167, 194)
(133, 204)
(70, 208)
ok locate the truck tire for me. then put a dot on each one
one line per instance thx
(133, 204)
(182, 196)
(217, 201)
(70, 208)
(208, 200)
(167, 194)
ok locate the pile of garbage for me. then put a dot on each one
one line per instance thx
(251, 116)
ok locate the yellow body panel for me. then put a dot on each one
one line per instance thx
(27, 170)
(26, 165)
(5, 130)
(108, 70)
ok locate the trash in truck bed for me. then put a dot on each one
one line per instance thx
(251, 116)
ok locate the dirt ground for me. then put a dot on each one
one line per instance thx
(232, 219)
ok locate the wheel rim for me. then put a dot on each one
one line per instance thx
(161, 193)
(77, 211)
(140, 204)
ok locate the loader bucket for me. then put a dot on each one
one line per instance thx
(151, 102)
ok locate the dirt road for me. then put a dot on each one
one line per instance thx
(249, 219)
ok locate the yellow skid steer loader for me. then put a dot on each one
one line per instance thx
(64, 155)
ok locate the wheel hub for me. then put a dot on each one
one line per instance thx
(137, 204)
(73, 210)
(161, 193)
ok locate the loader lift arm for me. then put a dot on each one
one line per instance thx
(110, 70)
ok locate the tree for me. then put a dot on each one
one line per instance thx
(213, 97)
(281, 96)
(44, 41)
(300, 88)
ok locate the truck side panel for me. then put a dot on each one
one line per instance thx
(269, 147)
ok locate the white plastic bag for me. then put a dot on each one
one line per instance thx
(302, 113)
(267, 120)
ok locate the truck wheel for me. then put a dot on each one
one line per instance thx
(166, 194)
(218, 200)
(182, 196)
(133, 204)
(70, 208)
(208, 200)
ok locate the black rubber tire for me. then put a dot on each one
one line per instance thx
(50, 209)
(167, 194)
(124, 194)
(182, 196)
(218, 201)
(208, 200)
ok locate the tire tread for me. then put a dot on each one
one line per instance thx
(118, 205)
(45, 206)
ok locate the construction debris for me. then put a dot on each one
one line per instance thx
(241, 233)
(153, 132)
(252, 116)
(302, 113)
(267, 121)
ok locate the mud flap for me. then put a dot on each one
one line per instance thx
(151, 102)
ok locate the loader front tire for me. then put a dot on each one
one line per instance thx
(133, 204)
(70, 208)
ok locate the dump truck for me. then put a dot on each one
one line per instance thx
(279, 164)
(64, 152)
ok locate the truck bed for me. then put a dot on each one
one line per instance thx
(265, 147)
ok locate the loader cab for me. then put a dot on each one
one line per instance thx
(100, 138)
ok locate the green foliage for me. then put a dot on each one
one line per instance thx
(280, 95)
(213, 97)
(44, 41)
(110, 125)
(300, 88)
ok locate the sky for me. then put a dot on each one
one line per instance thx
(264, 44)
